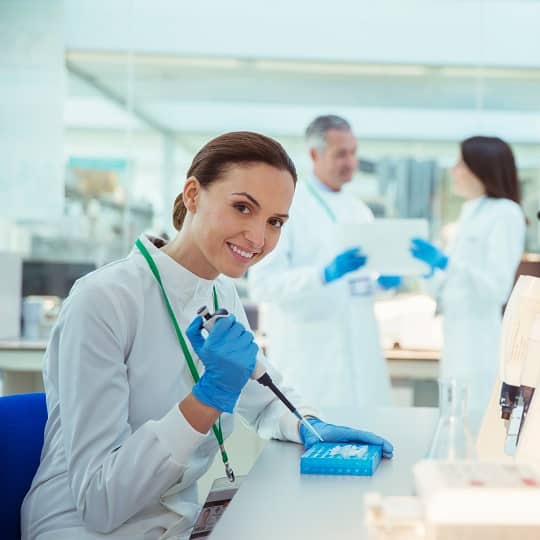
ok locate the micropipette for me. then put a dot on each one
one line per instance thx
(259, 372)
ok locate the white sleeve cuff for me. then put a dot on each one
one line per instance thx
(288, 424)
(177, 435)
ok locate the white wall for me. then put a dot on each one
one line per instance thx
(468, 32)
(424, 39)
(32, 93)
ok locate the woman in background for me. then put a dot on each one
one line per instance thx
(473, 281)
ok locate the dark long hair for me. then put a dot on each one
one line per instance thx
(492, 161)
(237, 147)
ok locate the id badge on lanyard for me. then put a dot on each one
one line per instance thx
(360, 286)
(219, 497)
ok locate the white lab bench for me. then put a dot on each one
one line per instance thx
(276, 501)
(21, 363)
(324, 506)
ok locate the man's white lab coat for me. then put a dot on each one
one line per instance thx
(324, 338)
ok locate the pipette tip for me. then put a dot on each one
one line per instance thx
(312, 429)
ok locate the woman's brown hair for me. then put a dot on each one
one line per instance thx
(237, 147)
(492, 161)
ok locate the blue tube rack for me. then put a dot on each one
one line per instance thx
(341, 459)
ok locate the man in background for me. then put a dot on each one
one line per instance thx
(320, 321)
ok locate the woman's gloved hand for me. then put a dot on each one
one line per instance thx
(342, 434)
(429, 253)
(348, 261)
(229, 355)
(389, 282)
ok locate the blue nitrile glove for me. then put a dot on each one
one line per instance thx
(332, 433)
(228, 354)
(389, 282)
(348, 261)
(429, 253)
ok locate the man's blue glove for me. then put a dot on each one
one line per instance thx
(429, 253)
(229, 355)
(332, 433)
(348, 261)
(389, 282)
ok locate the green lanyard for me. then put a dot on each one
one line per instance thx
(317, 196)
(216, 428)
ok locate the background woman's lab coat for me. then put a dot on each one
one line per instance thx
(483, 259)
(323, 337)
(119, 458)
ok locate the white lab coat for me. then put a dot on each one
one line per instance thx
(483, 259)
(115, 441)
(323, 338)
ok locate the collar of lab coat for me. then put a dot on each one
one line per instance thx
(471, 206)
(178, 281)
(320, 185)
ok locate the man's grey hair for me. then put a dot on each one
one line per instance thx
(317, 130)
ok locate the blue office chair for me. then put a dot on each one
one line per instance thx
(22, 423)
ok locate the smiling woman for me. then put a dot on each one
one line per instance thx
(235, 200)
(234, 222)
(132, 425)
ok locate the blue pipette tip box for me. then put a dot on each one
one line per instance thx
(341, 459)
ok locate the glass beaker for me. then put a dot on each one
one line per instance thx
(453, 438)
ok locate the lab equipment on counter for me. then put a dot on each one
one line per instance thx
(386, 244)
(511, 425)
(259, 373)
(341, 459)
(462, 500)
(453, 438)
(39, 314)
(497, 496)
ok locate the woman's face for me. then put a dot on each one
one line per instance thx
(466, 184)
(237, 220)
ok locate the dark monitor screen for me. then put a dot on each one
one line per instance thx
(52, 278)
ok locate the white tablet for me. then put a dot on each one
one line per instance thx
(386, 243)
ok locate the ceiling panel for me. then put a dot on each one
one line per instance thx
(165, 87)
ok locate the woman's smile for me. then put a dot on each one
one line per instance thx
(241, 254)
